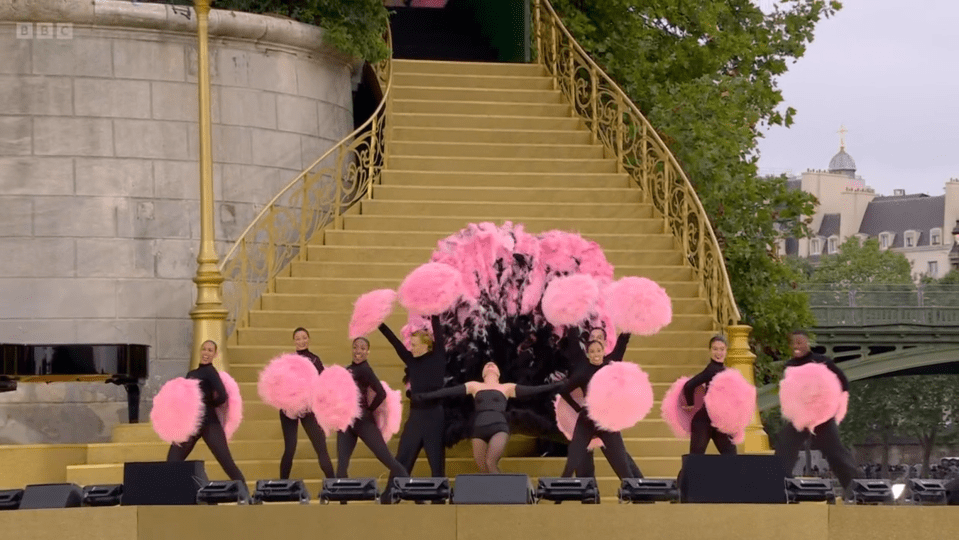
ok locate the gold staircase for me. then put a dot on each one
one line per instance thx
(468, 142)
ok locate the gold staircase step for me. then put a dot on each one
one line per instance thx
(505, 179)
(419, 239)
(585, 226)
(462, 135)
(482, 108)
(492, 150)
(480, 195)
(402, 66)
(477, 94)
(430, 163)
(450, 80)
(517, 212)
(503, 122)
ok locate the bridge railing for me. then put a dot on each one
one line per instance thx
(874, 316)
(883, 295)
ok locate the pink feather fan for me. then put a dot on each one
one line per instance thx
(810, 394)
(287, 384)
(638, 305)
(336, 399)
(618, 396)
(370, 310)
(231, 412)
(678, 418)
(731, 403)
(566, 418)
(178, 410)
(431, 289)
(568, 300)
(389, 415)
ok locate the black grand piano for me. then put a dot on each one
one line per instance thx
(122, 364)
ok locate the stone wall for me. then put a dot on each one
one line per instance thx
(99, 181)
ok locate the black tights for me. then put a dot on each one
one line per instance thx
(613, 447)
(215, 438)
(587, 468)
(488, 453)
(702, 430)
(825, 437)
(365, 429)
(317, 437)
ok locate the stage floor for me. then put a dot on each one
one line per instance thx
(807, 521)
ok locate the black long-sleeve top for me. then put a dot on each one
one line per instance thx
(426, 372)
(214, 393)
(579, 378)
(822, 359)
(703, 377)
(317, 363)
(367, 380)
(574, 352)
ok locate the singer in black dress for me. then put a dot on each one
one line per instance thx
(290, 426)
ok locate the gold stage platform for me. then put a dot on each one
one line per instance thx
(661, 521)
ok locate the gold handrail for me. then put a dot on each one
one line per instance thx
(615, 121)
(315, 199)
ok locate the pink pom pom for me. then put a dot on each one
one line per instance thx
(638, 305)
(370, 310)
(843, 407)
(431, 289)
(671, 409)
(619, 396)
(730, 402)
(566, 418)
(809, 395)
(336, 399)
(231, 412)
(389, 415)
(287, 384)
(177, 411)
(568, 300)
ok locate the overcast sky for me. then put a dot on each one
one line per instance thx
(888, 70)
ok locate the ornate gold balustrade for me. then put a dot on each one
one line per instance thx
(314, 200)
(615, 122)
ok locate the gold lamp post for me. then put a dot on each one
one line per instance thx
(208, 314)
(741, 358)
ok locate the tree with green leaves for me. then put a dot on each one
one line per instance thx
(932, 402)
(704, 74)
(875, 411)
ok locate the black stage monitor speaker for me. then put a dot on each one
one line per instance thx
(582, 490)
(731, 479)
(349, 489)
(51, 496)
(10, 499)
(148, 483)
(433, 489)
(492, 489)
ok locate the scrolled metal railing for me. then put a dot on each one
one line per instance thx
(316, 199)
(614, 121)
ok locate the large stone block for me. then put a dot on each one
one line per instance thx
(277, 149)
(58, 422)
(178, 101)
(62, 298)
(153, 298)
(38, 257)
(297, 114)
(27, 330)
(150, 60)
(115, 257)
(36, 95)
(313, 149)
(176, 258)
(174, 340)
(75, 216)
(232, 67)
(16, 216)
(176, 179)
(112, 98)
(16, 136)
(274, 71)
(114, 177)
(36, 176)
(234, 218)
(334, 122)
(231, 144)
(247, 107)
(153, 218)
(16, 53)
(88, 56)
(72, 137)
(250, 184)
(162, 371)
(325, 81)
(135, 331)
(152, 139)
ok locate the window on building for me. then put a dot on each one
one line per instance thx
(933, 268)
(935, 237)
(815, 248)
(832, 245)
(910, 240)
(884, 240)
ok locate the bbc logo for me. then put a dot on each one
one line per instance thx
(44, 30)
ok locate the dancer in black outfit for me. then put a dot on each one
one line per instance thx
(825, 436)
(576, 356)
(214, 395)
(701, 427)
(490, 427)
(613, 446)
(365, 427)
(426, 369)
(290, 426)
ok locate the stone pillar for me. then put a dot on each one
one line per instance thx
(743, 359)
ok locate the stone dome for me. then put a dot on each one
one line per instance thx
(842, 163)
